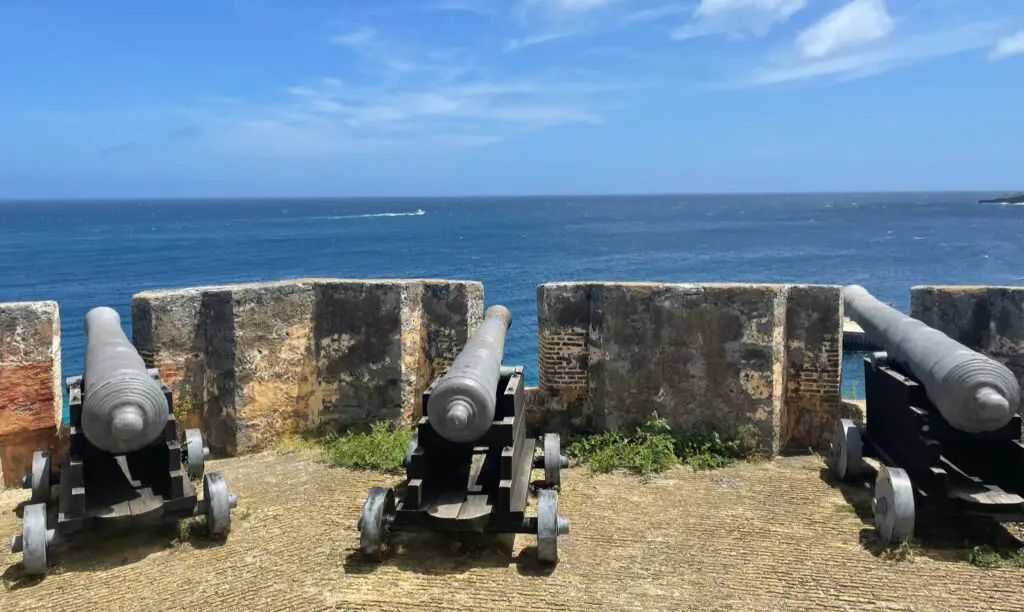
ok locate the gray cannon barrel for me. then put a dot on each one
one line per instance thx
(124, 408)
(461, 406)
(973, 392)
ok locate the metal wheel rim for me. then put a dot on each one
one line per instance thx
(34, 547)
(380, 503)
(893, 505)
(218, 504)
(40, 480)
(846, 449)
(552, 459)
(194, 449)
(547, 526)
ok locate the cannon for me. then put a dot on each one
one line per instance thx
(469, 462)
(942, 420)
(125, 465)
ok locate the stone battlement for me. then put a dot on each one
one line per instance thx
(251, 363)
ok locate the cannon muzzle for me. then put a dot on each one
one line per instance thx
(123, 408)
(461, 406)
(973, 392)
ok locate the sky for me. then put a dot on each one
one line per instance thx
(247, 98)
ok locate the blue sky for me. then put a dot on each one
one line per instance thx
(437, 97)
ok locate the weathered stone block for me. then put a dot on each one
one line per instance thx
(720, 354)
(613, 353)
(814, 357)
(31, 402)
(251, 363)
(989, 320)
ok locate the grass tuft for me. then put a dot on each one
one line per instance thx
(647, 450)
(654, 447)
(904, 550)
(382, 448)
(985, 555)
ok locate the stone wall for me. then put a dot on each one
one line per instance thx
(989, 320)
(814, 362)
(728, 355)
(31, 401)
(251, 363)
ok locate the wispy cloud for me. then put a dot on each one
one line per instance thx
(738, 18)
(478, 7)
(355, 38)
(516, 44)
(423, 106)
(658, 12)
(893, 54)
(1007, 46)
(851, 25)
(570, 6)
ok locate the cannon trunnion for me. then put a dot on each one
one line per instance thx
(925, 460)
(479, 482)
(117, 474)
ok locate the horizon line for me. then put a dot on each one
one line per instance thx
(119, 199)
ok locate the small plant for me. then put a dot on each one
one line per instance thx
(382, 448)
(705, 448)
(648, 450)
(183, 405)
(985, 555)
(904, 550)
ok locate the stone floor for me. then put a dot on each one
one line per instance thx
(771, 536)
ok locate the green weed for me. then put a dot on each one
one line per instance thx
(985, 555)
(382, 448)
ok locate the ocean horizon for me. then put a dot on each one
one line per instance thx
(90, 252)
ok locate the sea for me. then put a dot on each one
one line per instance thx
(89, 253)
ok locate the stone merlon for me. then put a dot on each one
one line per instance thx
(251, 363)
(727, 355)
(31, 402)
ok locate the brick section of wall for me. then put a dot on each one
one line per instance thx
(252, 363)
(814, 357)
(31, 402)
(989, 320)
(563, 329)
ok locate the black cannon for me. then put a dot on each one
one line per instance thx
(124, 461)
(469, 463)
(941, 419)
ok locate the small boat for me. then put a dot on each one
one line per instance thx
(1012, 198)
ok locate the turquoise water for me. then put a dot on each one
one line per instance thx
(84, 254)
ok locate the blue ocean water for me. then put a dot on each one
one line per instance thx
(89, 253)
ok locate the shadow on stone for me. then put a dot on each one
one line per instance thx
(106, 549)
(527, 563)
(439, 554)
(939, 534)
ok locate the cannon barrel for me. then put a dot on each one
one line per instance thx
(123, 409)
(461, 406)
(972, 391)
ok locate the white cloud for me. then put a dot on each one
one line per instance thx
(1007, 46)
(355, 38)
(572, 6)
(462, 6)
(737, 18)
(895, 54)
(528, 41)
(658, 12)
(855, 23)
